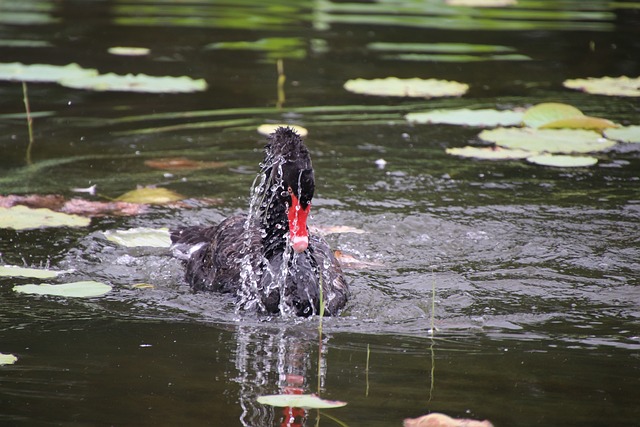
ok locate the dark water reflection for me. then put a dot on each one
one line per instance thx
(535, 270)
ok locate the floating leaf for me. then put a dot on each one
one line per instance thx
(268, 129)
(151, 196)
(441, 420)
(481, 3)
(84, 289)
(563, 161)
(274, 47)
(22, 218)
(37, 273)
(611, 86)
(129, 51)
(548, 140)
(7, 359)
(135, 237)
(548, 112)
(482, 117)
(16, 71)
(624, 134)
(308, 401)
(182, 163)
(142, 286)
(439, 47)
(418, 88)
(349, 261)
(581, 122)
(489, 153)
(135, 83)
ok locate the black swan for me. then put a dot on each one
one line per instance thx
(268, 258)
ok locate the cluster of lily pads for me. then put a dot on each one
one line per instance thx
(77, 77)
(548, 134)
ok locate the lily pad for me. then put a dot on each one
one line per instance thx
(150, 196)
(611, 86)
(23, 218)
(136, 237)
(547, 112)
(466, 117)
(416, 87)
(581, 122)
(624, 134)
(16, 71)
(548, 140)
(481, 3)
(7, 359)
(268, 129)
(135, 83)
(37, 273)
(83, 289)
(563, 161)
(309, 401)
(489, 153)
(129, 51)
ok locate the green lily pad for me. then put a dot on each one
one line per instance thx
(548, 140)
(466, 117)
(23, 218)
(563, 161)
(137, 237)
(135, 83)
(416, 88)
(548, 112)
(273, 47)
(308, 401)
(150, 196)
(624, 134)
(36, 273)
(489, 153)
(611, 86)
(7, 359)
(481, 3)
(84, 289)
(16, 71)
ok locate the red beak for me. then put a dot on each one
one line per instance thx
(298, 233)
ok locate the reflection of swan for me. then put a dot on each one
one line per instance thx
(275, 362)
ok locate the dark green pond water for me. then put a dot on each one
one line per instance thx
(536, 270)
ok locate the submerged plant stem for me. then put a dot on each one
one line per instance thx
(25, 98)
(281, 79)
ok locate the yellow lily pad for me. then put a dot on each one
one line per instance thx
(580, 122)
(563, 161)
(611, 86)
(547, 112)
(269, 128)
(83, 289)
(489, 153)
(416, 87)
(129, 51)
(21, 217)
(548, 140)
(150, 196)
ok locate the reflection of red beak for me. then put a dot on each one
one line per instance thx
(298, 233)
